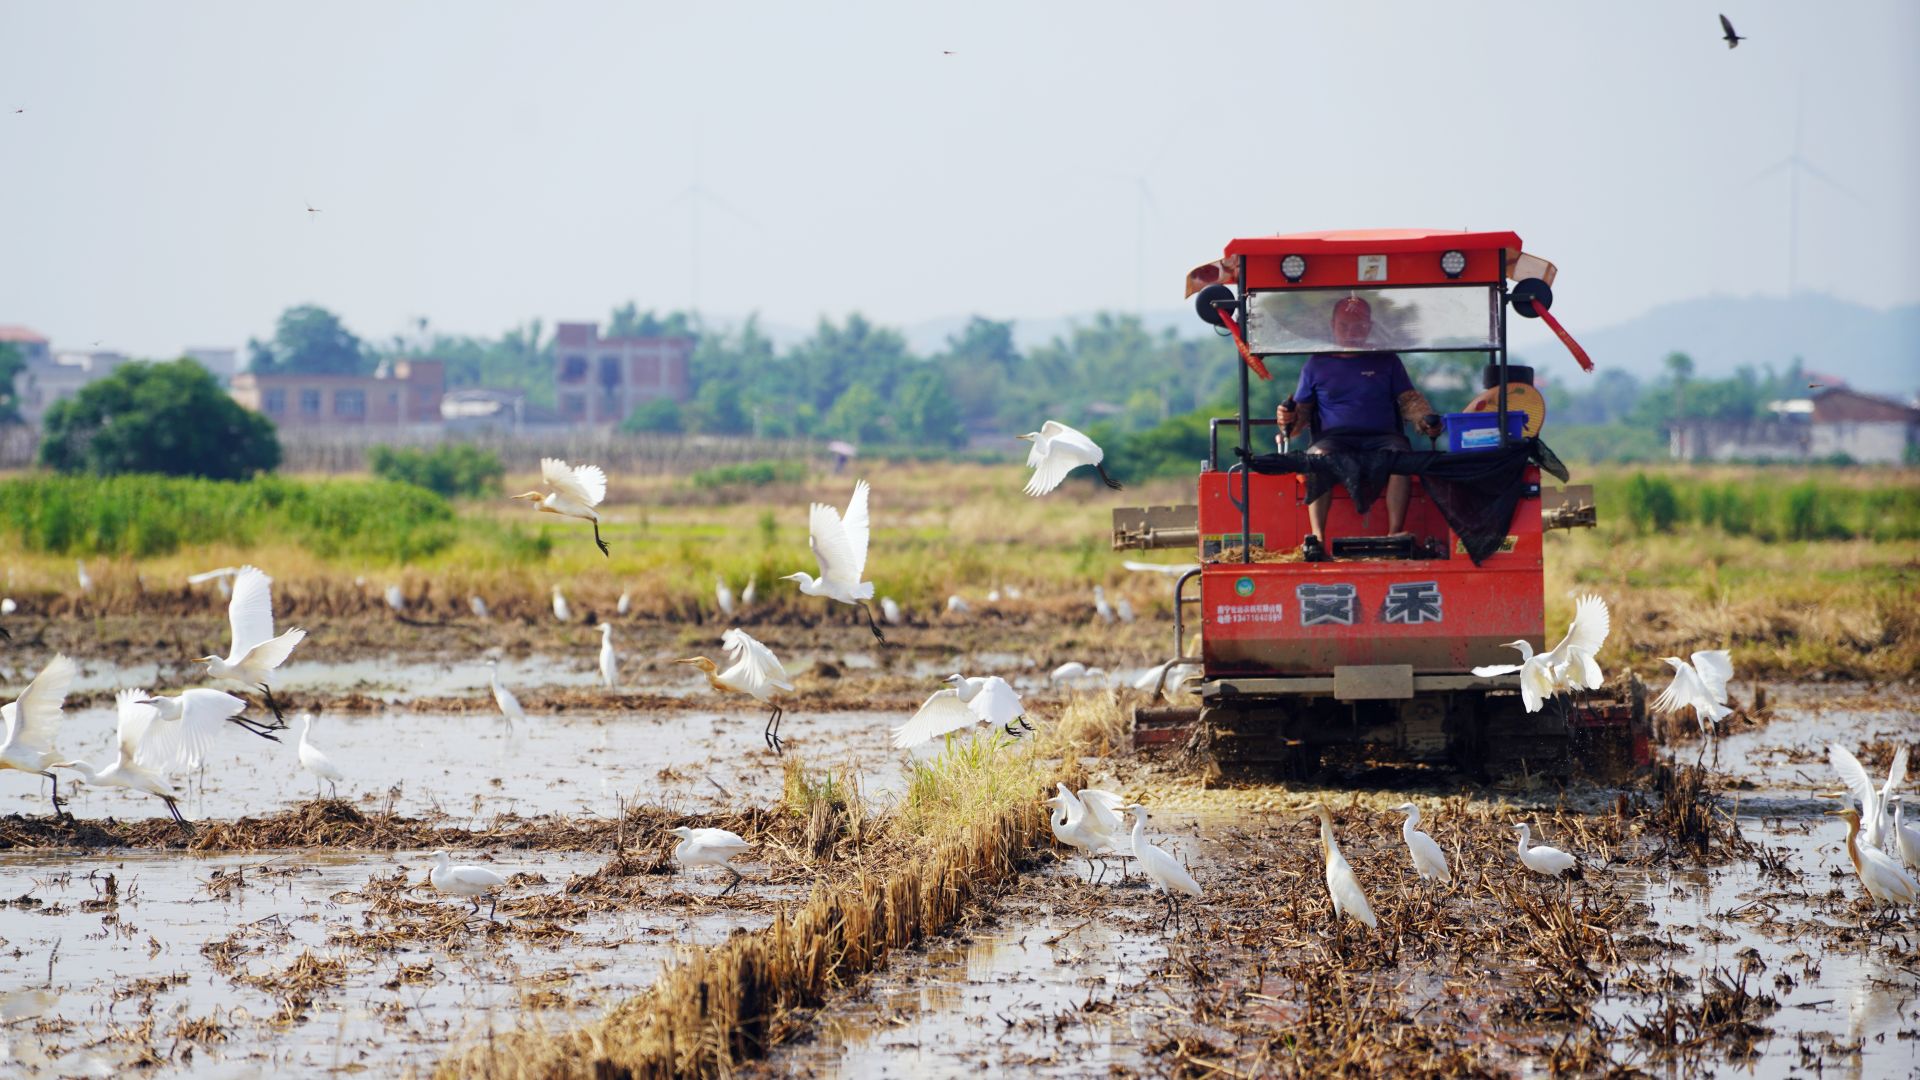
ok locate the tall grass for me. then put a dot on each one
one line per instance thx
(1767, 505)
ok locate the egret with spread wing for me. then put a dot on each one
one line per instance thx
(1568, 665)
(136, 722)
(185, 726)
(576, 491)
(1700, 685)
(1873, 804)
(1057, 451)
(986, 700)
(256, 651)
(33, 720)
(839, 544)
(755, 672)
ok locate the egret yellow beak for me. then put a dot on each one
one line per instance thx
(533, 496)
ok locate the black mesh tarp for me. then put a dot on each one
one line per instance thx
(1476, 492)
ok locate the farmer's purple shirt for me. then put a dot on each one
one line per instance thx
(1355, 393)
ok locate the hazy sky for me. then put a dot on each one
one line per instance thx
(481, 163)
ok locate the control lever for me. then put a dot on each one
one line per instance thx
(1430, 420)
(1286, 429)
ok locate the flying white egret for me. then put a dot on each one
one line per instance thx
(1071, 827)
(1169, 569)
(1873, 804)
(1058, 450)
(478, 605)
(1568, 665)
(33, 719)
(723, 597)
(746, 594)
(396, 599)
(755, 672)
(609, 663)
(710, 847)
(315, 761)
(472, 882)
(86, 579)
(222, 577)
(1428, 859)
(135, 722)
(1700, 686)
(256, 652)
(185, 725)
(503, 697)
(1162, 869)
(1880, 874)
(1550, 861)
(576, 491)
(624, 606)
(957, 605)
(890, 610)
(839, 544)
(980, 699)
(1906, 838)
(1100, 606)
(1342, 885)
(1123, 608)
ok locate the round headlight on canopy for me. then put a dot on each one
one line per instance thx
(1293, 268)
(1453, 263)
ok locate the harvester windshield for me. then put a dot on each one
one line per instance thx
(1442, 318)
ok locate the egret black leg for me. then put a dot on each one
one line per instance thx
(738, 877)
(279, 717)
(871, 625)
(772, 732)
(174, 809)
(1022, 721)
(1108, 480)
(333, 789)
(57, 811)
(604, 549)
(254, 727)
(493, 905)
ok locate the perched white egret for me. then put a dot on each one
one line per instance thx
(1428, 859)
(624, 606)
(256, 651)
(7, 606)
(957, 605)
(890, 610)
(1072, 827)
(1058, 450)
(503, 697)
(1700, 685)
(396, 599)
(1873, 804)
(135, 721)
(1880, 874)
(609, 663)
(1550, 861)
(755, 672)
(1123, 608)
(746, 593)
(1070, 671)
(1169, 569)
(1568, 665)
(472, 882)
(839, 546)
(1906, 838)
(1162, 869)
(576, 491)
(86, 579)
(1100, 606)
(33, 719)
(723, 597)
(315, 761)
(185, 725)
(478, 605)
(977, 700)
(1167, 677)
(710, 847)
(993, 596)
(1342, 885)
(561, 609)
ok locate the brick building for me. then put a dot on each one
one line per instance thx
(600, 380)
(403, 392)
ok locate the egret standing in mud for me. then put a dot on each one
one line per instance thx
(478, 606)
(1162, 869)
(709, 847)
(33, 719)
(135, 723)
(609, 663)
(561, 609)
(503, 697)
(1342, 885)
(315, 761)
(576, 491)
(472, 882)
(890, 610)
(1550, 861)
(755, 672)
(256, 652)
(396, 599)
(1428, 859)
(988, 699)
(723, 597)
(1072, 827)
(85, 579)
(839, 544)
(1058, 450)
(1879, 874)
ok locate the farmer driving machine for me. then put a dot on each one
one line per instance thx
(1369, 643)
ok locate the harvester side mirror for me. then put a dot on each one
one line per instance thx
(1529, 292)
(1208, 301)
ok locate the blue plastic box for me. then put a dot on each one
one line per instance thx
(1468, 431)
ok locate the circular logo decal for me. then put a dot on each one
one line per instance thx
(1244, 586)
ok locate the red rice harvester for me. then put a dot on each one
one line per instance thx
(1372, 651)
